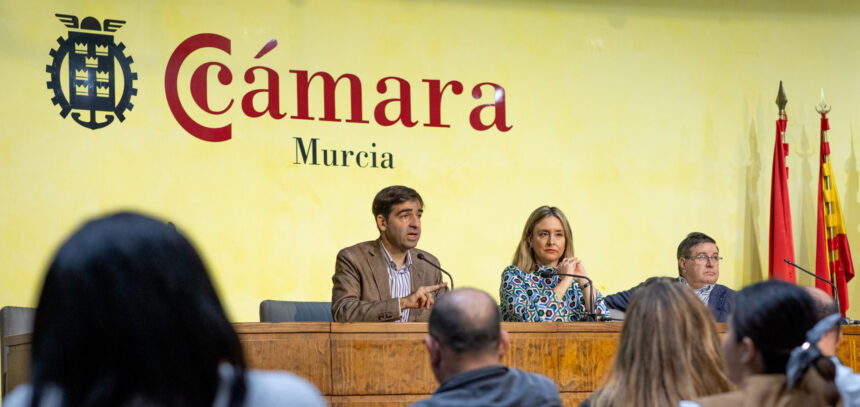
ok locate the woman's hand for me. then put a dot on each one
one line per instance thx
(572, 265)
(565, 266)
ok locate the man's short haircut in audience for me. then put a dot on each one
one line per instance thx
(692, 239)
(393, 195)
(824, 309)
(464, 326)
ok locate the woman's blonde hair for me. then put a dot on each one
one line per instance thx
(524, 256)
(669, 350)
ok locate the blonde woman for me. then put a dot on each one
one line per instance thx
(669, 350)
(529, 292)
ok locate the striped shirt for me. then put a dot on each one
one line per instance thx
(399, 280)
(703, 293)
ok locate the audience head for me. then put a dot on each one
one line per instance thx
(128, 315)
(666, 325)
(825, 305)
(769, 319)
(398, 211)
(464, 333)
(546, 239)
(699, 260)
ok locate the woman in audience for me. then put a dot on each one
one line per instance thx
(530, 292)
(669, 350)
(767, 336)
(128, 317)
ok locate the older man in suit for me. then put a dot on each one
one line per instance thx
(698, 267)
(383, 279)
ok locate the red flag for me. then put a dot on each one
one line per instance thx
(832, 255)
(781, 237)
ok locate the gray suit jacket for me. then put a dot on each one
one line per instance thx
(360, 291)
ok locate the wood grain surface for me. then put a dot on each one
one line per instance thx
(386, 364)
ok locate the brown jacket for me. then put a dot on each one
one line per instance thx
(768, 390)
(360, 291)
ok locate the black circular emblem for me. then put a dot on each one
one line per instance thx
(92, 58)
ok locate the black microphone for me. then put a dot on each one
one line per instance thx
(421, 256)
(810, 273)
(842, 321)
(549, 273)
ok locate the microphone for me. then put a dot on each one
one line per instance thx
(842, 321)
(810, 273)
(591, 314)
(422, 257)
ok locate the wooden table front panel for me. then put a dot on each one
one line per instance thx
(380, 363)
(575, 356)
(534, 352)
(585, 360)
(303, 349)
(376, 401)
(385, 364)
(848, 351)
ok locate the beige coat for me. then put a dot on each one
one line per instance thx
(768, 390)
(360, 291)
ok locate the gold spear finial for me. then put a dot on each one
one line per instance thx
(781, 100)
(822, 107)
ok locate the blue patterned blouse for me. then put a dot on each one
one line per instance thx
(529, 298)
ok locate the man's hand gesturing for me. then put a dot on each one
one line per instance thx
(422, 297)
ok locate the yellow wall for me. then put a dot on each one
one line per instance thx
(642, 120)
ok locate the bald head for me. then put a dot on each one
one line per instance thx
(466, 321)
(824, 303)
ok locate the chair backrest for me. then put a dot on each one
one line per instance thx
(13, 321)
(295, 311)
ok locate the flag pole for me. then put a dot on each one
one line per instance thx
(823, 108)
(781, 237)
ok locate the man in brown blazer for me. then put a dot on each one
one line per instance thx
(383, 279)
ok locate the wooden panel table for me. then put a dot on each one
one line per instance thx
(18, 359)
(386, 364)
(302, 347)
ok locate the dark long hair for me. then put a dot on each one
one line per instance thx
(128, 315)
(776, 315)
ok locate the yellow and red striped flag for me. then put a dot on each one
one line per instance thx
(832, 255)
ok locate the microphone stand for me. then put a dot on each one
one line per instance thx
(422, 257)
(842, 321)
(591, 316)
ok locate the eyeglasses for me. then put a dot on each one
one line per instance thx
(702, 259)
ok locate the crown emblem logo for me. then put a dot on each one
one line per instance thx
(83, 90)
(94, 62)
